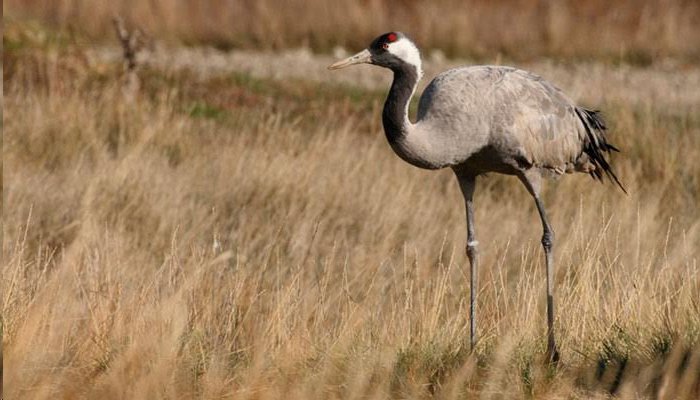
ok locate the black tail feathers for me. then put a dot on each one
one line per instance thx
(596, 145)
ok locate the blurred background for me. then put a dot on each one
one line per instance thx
(631, 30)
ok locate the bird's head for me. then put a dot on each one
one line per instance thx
(392, 50)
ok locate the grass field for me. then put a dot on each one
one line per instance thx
(240, 234)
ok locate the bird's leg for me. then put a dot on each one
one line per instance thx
(533, 184)
(472, 253)
(467, 184)
(547, 244)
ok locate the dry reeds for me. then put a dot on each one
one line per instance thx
(634, 30)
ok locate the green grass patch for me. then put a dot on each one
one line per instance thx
(206, 111)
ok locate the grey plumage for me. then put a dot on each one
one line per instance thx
(520, 120)
(482, 119)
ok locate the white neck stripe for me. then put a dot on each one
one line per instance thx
(408, 52)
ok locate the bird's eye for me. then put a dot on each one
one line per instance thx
(385, 46)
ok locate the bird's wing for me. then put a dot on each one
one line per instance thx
(524, 118)
(537, 120)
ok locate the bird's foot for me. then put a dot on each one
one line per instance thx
(553, 355)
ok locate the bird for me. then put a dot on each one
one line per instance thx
(488, 119)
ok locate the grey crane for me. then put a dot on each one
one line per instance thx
(480, 119)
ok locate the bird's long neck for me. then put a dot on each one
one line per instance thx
(395, 114)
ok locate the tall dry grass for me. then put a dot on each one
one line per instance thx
(229, 237)
(637, 30)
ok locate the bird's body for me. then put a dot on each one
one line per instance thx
(496, 119)
(482, 119)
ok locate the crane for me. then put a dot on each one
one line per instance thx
(480, 119)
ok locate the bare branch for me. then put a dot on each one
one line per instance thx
(132, 42)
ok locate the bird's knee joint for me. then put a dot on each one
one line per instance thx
(472, 248)
(548, 240)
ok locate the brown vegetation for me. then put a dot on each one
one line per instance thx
(634, 30)
(234, 237)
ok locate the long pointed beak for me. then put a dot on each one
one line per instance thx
(362, 57)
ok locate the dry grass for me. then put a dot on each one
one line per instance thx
(232, 237)
(636, 30)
